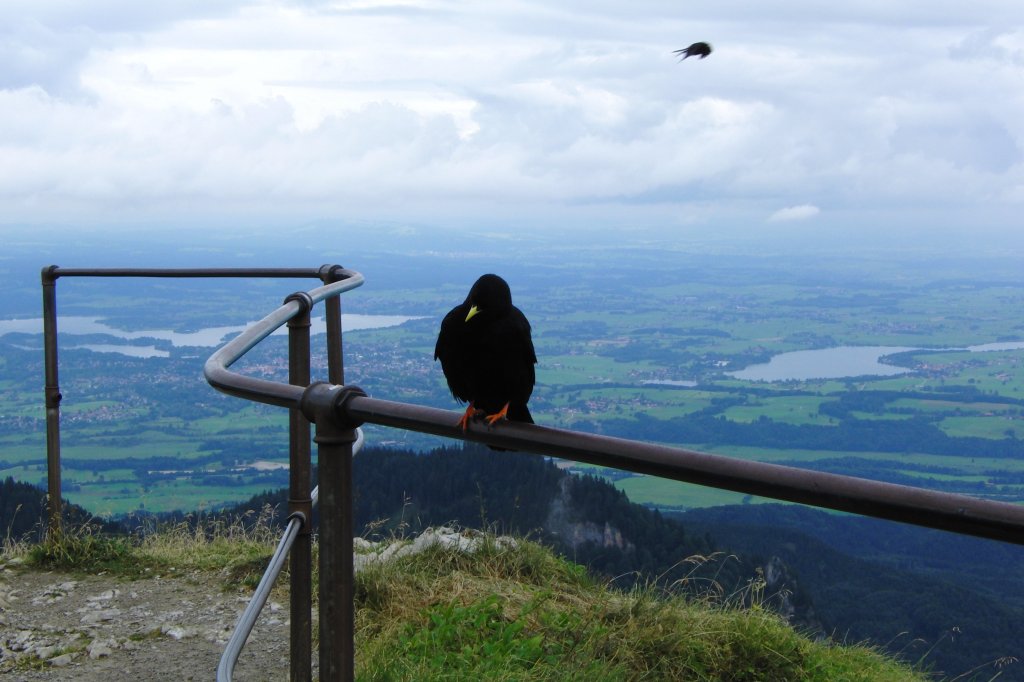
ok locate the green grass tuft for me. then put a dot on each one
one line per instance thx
(82, 548)
(520, 613)
(240, 548)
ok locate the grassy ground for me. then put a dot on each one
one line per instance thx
(508, 611)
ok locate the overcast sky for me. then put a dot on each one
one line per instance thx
(446, 111)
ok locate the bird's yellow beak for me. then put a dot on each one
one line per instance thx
(472, 311)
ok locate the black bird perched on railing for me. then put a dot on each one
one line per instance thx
(487, 355)
(696, 50)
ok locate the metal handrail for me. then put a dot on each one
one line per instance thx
(947, 511)
(300, 504)
(49, 276)
(264, 390)
(337, 409)
(185, 273)
(247, 619)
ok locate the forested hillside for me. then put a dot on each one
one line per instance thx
(585, 517)
(23, 511)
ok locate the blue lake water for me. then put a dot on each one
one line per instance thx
(669, 382)
(73, 325)
(843, 361)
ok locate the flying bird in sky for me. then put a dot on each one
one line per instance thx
(487, 355)
(697, 49)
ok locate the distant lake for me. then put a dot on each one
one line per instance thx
(130, 351)
(843, 361)
(73, 325)
(669, 382)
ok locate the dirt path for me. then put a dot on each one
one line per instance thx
(59, 626)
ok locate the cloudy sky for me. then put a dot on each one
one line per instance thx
(889, 112)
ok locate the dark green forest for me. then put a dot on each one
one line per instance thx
(23, 512)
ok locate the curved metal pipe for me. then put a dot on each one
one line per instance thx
(246, 621)
(261, 390)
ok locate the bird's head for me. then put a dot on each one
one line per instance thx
(490, 294)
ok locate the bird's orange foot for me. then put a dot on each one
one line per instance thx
(469, 414)
(503, 414)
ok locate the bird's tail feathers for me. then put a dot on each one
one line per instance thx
(520, 413)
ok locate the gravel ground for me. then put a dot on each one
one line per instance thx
(60, 626)
(99, 628)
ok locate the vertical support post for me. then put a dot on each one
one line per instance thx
(335, 354)
(299, 500)
(337, 617)
(335, 438)
(335, 357)
(52, 390)
(334, 461)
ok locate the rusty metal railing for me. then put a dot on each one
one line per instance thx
(336, 410)
(336, 279)
(52, 273)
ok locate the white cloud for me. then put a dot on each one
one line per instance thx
(791, 213)
(340, 108)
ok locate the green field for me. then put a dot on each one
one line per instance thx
(791, 410)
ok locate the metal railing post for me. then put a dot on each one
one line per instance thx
(300, 503)
(50, 274)
(335, 438)
(332, 306)
(54, 503)
(342, 439)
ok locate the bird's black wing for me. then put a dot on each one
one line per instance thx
(451, 349)
(515, 375)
